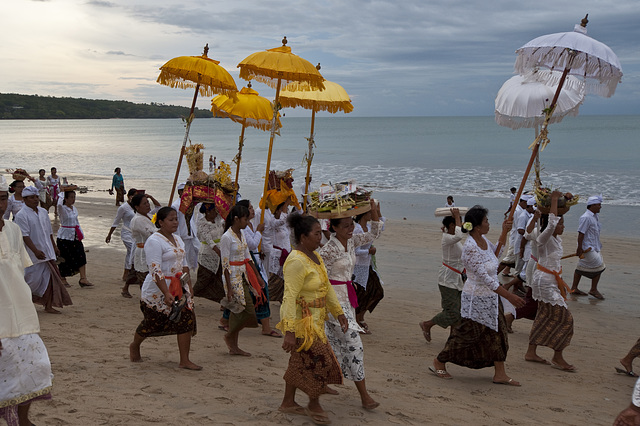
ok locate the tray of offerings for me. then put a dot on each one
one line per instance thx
(339, 200)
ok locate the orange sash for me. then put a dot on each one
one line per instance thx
(562, 286)
(175, 286)
(253, 280)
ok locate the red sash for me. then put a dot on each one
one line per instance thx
(253, 280)
(353, 298)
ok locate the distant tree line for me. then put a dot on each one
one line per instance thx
(17, 107)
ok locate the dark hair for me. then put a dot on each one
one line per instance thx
(513, 188)
(301, 225)
(448, 220)
(116, 170)
(205, 207)
(162, 214)
(53, 168)
(131, 192)
(137, 200)
(12, 186)
(236, 211)
(67, 193)
(244, 202)
(280, 205)
(334, 222)
(475, 215)
(450, 197)
(42, 170)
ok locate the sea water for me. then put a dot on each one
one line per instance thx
(411, 163)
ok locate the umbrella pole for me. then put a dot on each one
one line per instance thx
(240, 144)
(309, 159)
(273, 135)
(184, 143)
(535, 150)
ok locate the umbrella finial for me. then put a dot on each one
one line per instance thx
(249, 84)
(584, 21)
(318, 66)
(284, 41)
(206, 49)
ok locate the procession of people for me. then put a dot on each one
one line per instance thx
(325, 285)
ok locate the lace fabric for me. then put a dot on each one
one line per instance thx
(544, 286)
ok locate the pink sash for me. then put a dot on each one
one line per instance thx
(79, 234)
(353, 298)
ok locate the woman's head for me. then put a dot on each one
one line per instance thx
(476, 218)
(131, 192)
(16, 187)
(69, 197)
(248, 205)
(343, 228)
(209, 211)
(42, 172)
(140, 204)
(117, 170)
(303, 227)
(54, 170)
(167, 219)
(447, 221)
(238, 214)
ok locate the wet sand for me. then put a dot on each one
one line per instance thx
(95, 383)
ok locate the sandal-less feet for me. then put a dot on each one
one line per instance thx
(85, 283)
(567, 368)
(596, 294)
(443, 374)
(317, 418)
(509, 382)
(66, 284)
(125, 293)
(577, 292)
(272, 333)
(371, 406)
(538, 360)
(296, 409)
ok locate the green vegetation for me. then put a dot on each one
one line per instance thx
(17, 107)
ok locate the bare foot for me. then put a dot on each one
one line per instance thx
(51, 311)
(292, 409)
(506, 380)
(426, 331)
(234, 350)
(536, 358)
(369, 404)
(331, 391)
(627, 365)
(134, 353)
(190, 366)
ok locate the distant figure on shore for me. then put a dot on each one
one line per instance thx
(117, 183)
(24, 361)
(211, 164)
(450, 203)
(53, 186)
(43, 276)
(592, 265)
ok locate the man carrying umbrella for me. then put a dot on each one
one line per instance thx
(589, 246)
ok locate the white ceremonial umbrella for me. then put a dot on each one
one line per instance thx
(574, 53)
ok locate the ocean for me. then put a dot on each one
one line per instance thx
(411, 163)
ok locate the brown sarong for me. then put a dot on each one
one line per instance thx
(276, 288)
(450, 302)
(209, 285)
(246, 318)
(312, 370)
(369, 298)
(476, 346)
(553, 327)
(56, 292)
(157, 323)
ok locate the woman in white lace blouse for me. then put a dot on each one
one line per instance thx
(480, 339)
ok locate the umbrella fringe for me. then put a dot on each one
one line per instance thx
(167, 79)
(332, 107)
(299, 80)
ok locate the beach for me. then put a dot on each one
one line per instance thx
(95, 382)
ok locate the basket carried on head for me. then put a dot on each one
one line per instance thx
(18, 174)
(279, 190)
(543, 200)
(340, 200)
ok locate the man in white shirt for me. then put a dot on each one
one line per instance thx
(510, 259)
(191, 243)
(630, 416)
(589, 246)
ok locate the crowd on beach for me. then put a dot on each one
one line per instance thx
(322, 273)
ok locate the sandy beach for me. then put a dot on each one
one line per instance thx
(95, 383)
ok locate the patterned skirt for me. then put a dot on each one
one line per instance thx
(476, 346)
(74, 256)
(312, 370)
(371, 295)
(157, 323)
(246, 318)
(276, 288)
(209, 285)
(553, 327)
(450, 302)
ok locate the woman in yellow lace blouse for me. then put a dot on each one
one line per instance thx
(308, 296)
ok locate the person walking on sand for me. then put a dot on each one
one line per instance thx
(480, 339)
(124, 214)
(451, 276)
(117, 183)
(53, 186)
(24, 362)
(627, 361)
(630, 416)
(553, 324)
(591, 265)
(69, 241)
(43, 276)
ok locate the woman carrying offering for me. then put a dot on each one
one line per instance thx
(339, 256)
(69, 242)
(480, 339)
(210, 230)
(553, 326)
(308, 296)
(450, 276)
(141, 229)
(124, 214)
(164, 284)
(240, 278)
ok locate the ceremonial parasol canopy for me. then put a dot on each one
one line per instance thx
(332, 99)
(248, 109)
(272, 67)
(574, 53)
(202, 73)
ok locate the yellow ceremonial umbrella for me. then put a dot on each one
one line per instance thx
(248, 109)
(272, 67)
(200, 72)
(332, 99)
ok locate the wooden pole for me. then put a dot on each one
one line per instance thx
(273, 135)
(240, 144)
(535, 150)
(184, 143)
(309, 159)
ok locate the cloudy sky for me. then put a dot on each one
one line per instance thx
(394, 58)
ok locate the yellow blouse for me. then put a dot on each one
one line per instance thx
(307, 297)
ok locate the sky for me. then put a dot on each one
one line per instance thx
(394, 58)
